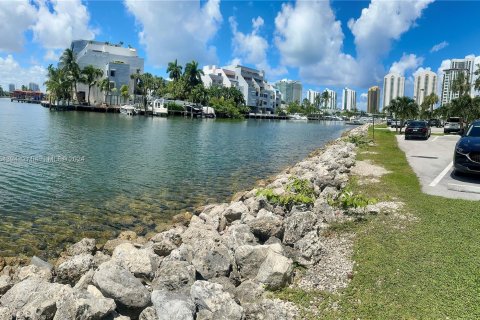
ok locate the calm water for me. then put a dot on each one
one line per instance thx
(66, 175)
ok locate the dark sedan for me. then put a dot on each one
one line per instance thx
(417, 129)
(467, 150)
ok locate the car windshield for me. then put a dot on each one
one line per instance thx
(453, 120)
(474, 131)
(417, 124)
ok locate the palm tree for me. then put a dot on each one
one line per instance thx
(105, 87)
(58, 84)
(193, 73)
(477, 81)
(124, 92)
(461, 85)
(68, 62)
(174, 70)
(325, 98)
(318, 101)
(402, 107)
(90, 77)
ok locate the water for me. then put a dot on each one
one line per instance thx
(68, 175)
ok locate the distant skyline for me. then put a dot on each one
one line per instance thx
(324, 44)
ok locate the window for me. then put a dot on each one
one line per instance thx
(112, 73)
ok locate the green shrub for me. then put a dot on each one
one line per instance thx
(172, 106)
(298, 192)
(359, 141)
(347, 199)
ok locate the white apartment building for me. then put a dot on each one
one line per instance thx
(117, 62)
(332, 100)
(11, 87)
(424, 85)
(312, 96)
(291, 90)
(393, 87)
(349, 100)
(259, 95)
(32, 86)
(457, 66)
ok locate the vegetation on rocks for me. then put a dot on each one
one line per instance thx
(298, 192)
(348, 199)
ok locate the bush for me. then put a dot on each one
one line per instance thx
(359, 140)
(347, 200)
(172, 106)
(298, 192)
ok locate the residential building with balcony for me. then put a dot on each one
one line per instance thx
(466, 66)
(393, 87)
(291, 90)
(349, 100)
(425, 83)
(373, 101)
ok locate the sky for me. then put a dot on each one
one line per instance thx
(324, 44)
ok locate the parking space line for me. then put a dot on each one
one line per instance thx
(441, 175)
(435, 138)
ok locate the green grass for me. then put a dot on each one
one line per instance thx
(425, 269)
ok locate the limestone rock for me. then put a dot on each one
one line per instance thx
(32, 271)
(174, 276)
(235, 211)
(309, 249)
(84, 246)
(73, 268)
(167, 241)
(172, 306)
(276, 271)
(83, 305)
(248, 258)
(119, 284)
(238, 235)
(248, 292)
(266, 225)
(140, 262)
(298, 225)
(85, 280)
(148, 314)
(212, 297)
(5, 284)
(211, 259)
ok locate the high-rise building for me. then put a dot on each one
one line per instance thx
(117, 63)
(331, 103)
(424, 85)
(393, 87)
(291, 90)
(312, 96)
(11, 87)
(349, 100)
(259, 95)
(457, 66)
(33, 86)
(373, 102)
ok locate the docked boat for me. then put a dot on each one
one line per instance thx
(208, 112)
(297, 116)
(128, 110)
(159, 108)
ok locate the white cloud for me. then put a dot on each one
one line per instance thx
(364, 96)
(12, 72)
(59, 22)
(15, 18)
(309, 37)
(52, 55)
(177, 29)
(252, 48)
(407, 62)
(439, 46)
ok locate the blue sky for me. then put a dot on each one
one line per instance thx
(324, 44)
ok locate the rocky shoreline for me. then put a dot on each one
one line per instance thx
(217, 264)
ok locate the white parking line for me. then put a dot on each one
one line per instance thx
(441, 175)
(435, 138)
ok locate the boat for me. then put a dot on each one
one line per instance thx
(208, 112)
(296, 116)
(128, 110)
(159, 108)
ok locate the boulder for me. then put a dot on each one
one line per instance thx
(73, 268)
(212, 297)
(167, 241)
(211, 259)
(32, 271)
(267, 309)
(119, 284)
(34, 298)
(248, 292)
(182, 253)
(255, 204)
(298, 225)
(172, 306)
(276, 271)
(100, 258)
(238, 235)
(204, 314)
(174, 276)
(235, 211)
(249, 258)
(309, 249)
(5, 284)
(148, 313)
(140, 262)
(36, 261)
(83, 305)
(182, 219)
(85, 280)
(266, 225)
(84, 246)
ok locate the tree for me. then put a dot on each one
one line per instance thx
(124, 92)
(2, 93)
(174, 70)
(461, 85)
(403, 108)
(90, 77)
(105, 87)
(193, 74)
(58, 84)
(325, 97)
(317, 101)
(476, 85)
(68, 62)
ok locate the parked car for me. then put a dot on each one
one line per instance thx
(396, 123)
(435, 123)
(389, 121)
(453, 124)
(417, 129)
(467, 150)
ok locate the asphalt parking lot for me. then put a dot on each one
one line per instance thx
(432, 162)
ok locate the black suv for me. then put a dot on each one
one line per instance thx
(467, 150)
